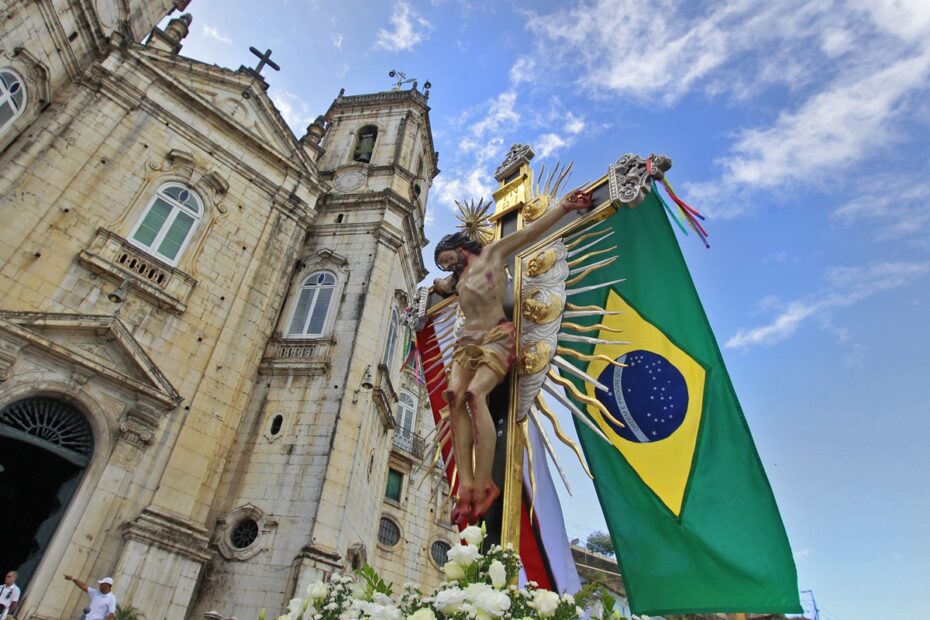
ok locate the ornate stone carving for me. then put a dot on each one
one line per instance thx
(9, 352)
(519, 154)
(138, 426)
(168, 532)
(629, 180)
(225, 527)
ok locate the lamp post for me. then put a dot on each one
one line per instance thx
(814, 601)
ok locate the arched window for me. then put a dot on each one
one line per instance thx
(168, 222)
(365, 145)
(406, 413)
(12, 97)
(391, 345)
(316, 295)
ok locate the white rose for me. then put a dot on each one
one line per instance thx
(473, 535)
(449, 601)
(358, 590)
(422, 614)
(453, 570)
(317, 590)
(384, 612)
(568, 598)
(491, 602)
(465, 555)
(498, 574)
(545, 602)
(475, 590)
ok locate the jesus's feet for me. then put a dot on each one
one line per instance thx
(463, 514)
(488, 494)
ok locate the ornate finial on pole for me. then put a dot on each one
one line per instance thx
(519, 154)
(630, 178)
(403, 79)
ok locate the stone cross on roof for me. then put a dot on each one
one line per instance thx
(264, 59)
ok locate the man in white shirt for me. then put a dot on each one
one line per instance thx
(9, 595)
(102, 602)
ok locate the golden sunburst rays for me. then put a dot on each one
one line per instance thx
(542, 408)
(547, 444)
(553, 183)
(587, 270)
(584, 398)
(474, 220)
(588, 358)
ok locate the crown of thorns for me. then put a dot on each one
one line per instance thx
(456, 240)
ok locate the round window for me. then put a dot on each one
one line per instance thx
(244, 533)
(388, 532)
(439, 551)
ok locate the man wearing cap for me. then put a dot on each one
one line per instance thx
(102, 602)
(9, 595)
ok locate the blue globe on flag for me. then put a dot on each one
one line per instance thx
(649, 396)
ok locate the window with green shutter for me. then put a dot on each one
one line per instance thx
(395, 483)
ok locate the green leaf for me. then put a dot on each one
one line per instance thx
(374, 581)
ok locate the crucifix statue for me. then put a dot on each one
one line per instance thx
(484, 348)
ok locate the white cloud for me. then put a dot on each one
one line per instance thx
(574, 124)
(407, 29)
(337, 40)
(522, 70)
(293, 109)
(855, 72)
(548, 144)
(899, 213)
(834, 128)
(212, 33)
(846, 287)
(484, 138)
(473, 184)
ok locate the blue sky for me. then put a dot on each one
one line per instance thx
(799, 128)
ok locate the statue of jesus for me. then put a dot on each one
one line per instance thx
(484, 349)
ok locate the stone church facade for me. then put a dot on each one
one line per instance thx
(202, 389)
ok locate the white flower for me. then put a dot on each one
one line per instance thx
(381, 598)
(358, 591)
(317, 590)
(465, 555)
(422, 614)
(545, 602)
(568, 598)
(472, 535)
(384, 612)
(488, 600)
(498, 574)
(295, 606)
(579, 612)
(453, 570)
(448, 601)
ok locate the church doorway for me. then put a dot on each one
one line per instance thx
(45, 445)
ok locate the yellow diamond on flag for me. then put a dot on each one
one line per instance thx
(659, 397)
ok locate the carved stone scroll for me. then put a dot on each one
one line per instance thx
(629, 179)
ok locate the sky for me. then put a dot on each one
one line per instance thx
(800, 130)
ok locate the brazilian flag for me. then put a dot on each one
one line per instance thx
(684, 494)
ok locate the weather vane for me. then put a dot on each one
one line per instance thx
(403, 79)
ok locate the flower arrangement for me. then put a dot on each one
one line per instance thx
(478, 587)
